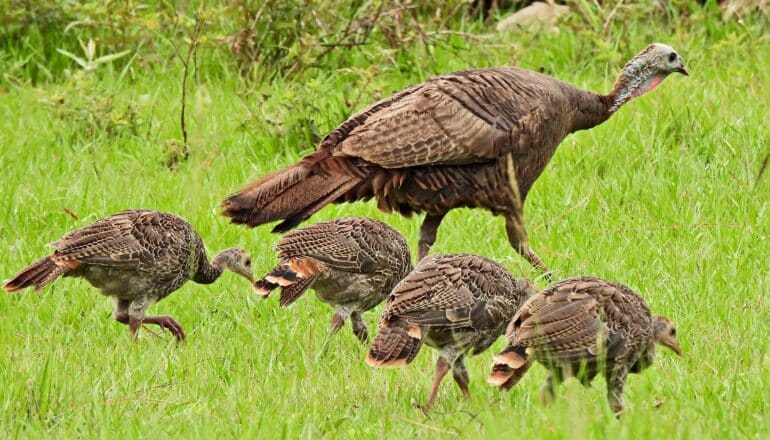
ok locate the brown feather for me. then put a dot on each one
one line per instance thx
(292, 292)
(38, 274)
(304, 267)
(396, 345)
(509, 367)
(263, 287)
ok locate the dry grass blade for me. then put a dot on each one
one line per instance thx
(762, 169)
(429, 427)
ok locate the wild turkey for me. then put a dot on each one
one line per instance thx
(457, 303)
(578, 327)
(137, 257)
(351, 263)
(477, 138)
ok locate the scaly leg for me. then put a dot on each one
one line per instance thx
(121, 311)
(167, 323)
(133, 314)
(547, 394)
(428, 231)
(517, 236)
(615, 383)
(514, 221)
(460, 375)
(359, 327)
(136, 312)
(334, 326)
(442, 368)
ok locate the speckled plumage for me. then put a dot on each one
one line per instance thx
(456, 303)
(351, 263)
(136, 257)
(582, 327)
(476, 138)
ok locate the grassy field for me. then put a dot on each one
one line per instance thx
(665, 197)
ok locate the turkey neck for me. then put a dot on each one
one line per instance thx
(207, 272)
(636, 79)
(589, 110)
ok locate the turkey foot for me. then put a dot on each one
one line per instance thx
(167, 323)
(442, 368)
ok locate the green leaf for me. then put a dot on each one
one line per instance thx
(83, 63)
(111, 57)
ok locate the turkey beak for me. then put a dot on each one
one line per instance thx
(674, 345)
(682, 70)
(244, 272)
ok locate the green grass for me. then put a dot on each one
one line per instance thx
(663, 197)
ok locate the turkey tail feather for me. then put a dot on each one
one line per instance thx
(290, 293)
(293, 279)
(509, 367)
(38, 274)
(293, 194)
(314, 196)
(264, 287)
(396, 345)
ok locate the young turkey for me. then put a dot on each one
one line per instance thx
(137, 257)
(582, 327)
(456, 303)
(477, 138)
(351, 263)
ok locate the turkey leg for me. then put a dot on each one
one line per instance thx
(428, 233)
(547, 393)
(616, 380)
(132, 313)
(517, 236)
(334, 326)
(514, 221)
(359, 327)
(460, 375)
(167, 323)
(442, 368)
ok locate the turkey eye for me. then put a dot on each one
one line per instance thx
(671, 57)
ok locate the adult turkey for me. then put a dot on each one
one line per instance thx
(137, 257)
(351, 263)
(477, 138)
(456, 303)
(581, 327)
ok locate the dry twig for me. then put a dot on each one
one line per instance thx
(186, 60)
(423, 425)
(71, 214)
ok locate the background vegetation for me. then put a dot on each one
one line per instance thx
(670, 196)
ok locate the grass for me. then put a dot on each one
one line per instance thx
(664, 197)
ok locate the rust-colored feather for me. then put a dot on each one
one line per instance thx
(293, 291)
(38, 274)
(396, 345)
